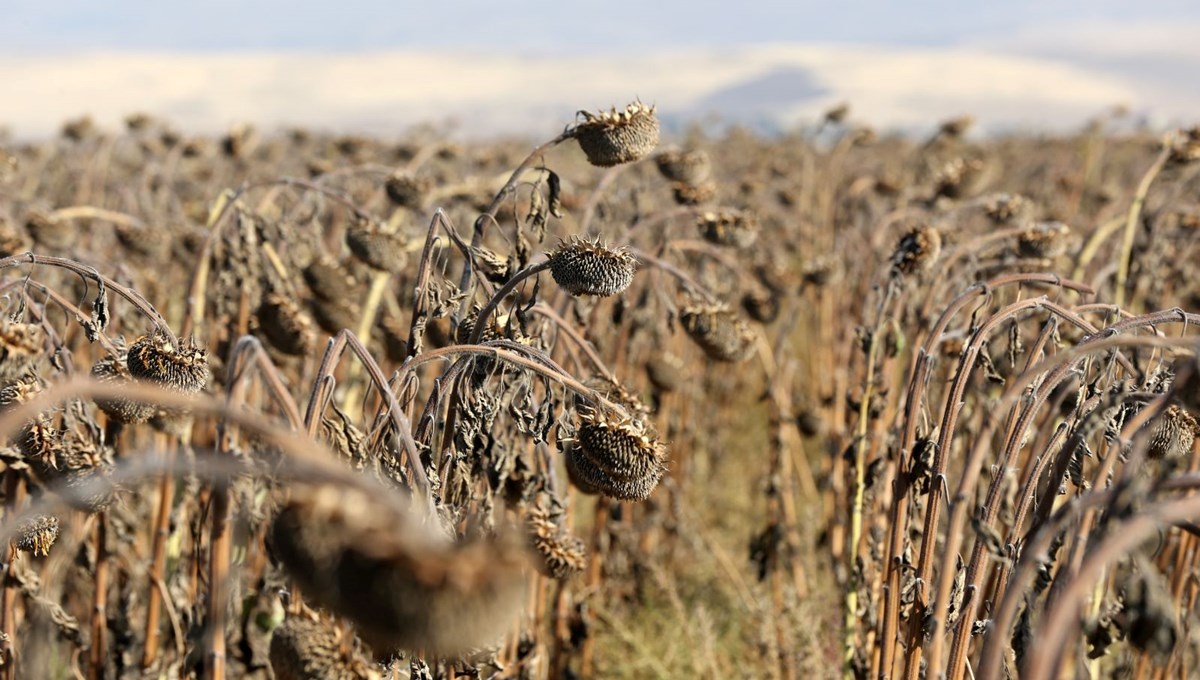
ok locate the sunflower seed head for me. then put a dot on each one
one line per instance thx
(376, 246)
(957, 177)
(917, 250)
(956, 127)
(405, 190)
(562, 554)
(403, 585)
(689, 167)
(1173, 433)
(48, 232)
(584, 267)
(694, 194)
(719, 332)
(616, 455)
(736, 228)
(327, 279)
(1185, 146)
(616, 393)
(156, 359)
(37, 534)
(12, 241)
(20, 391)
(1008, 208)
(114, 370)
(1044, 239)
(614, 137)
(286, 325)
(303, 648)
(761, 304)
(334, 315)
(21, 349)
(75, 466)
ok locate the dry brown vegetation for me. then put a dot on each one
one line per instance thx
(314, 406)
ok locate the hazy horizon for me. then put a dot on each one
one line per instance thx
(364, 65)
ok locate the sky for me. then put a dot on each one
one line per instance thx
(540, 26)
(373, 65)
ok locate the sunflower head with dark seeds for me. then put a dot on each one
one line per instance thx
(917, 250)
(114, 370)
(305, 647)
(377, 245)
(37, 535)
(1043, 240)
(690, 167)
(734, 228)
(561, 554)
(20, 348)
(399, 580)
(721, 333)
(615, 455)
(614, 137)
(584, 267)
(158, 358)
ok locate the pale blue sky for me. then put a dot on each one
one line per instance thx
(567, 26)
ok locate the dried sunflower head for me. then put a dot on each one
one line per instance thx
(957, 177)
(144, 241)
(1044, 239)
(1005, 207)
(562, 554)
(613, 137)
(1173, 434)
(694, 194)
(286, 325)
(304, 648)
(761, 304)
(616, 393)
(917, 250)
(327, 279)
(37, 534)
(956, 127)
(155, 358)
(12, 241)
(584, 267)
(689, 167)
(466, 328)
(403, 584)
(114, 370)
(616, 455)
(836, 114)
(21, 349)
(1186, 370)
(1185, 146)
(718, 331)
(736, 228)
(334, 315)
(74, 466)
(377, 246)
(405, 190)
(20, 391)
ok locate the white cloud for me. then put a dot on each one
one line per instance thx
(388, 91)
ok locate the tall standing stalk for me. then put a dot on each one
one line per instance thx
(860, 474)
(98, 654)
(158, 556)
(1135, 212)
(15, 493)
